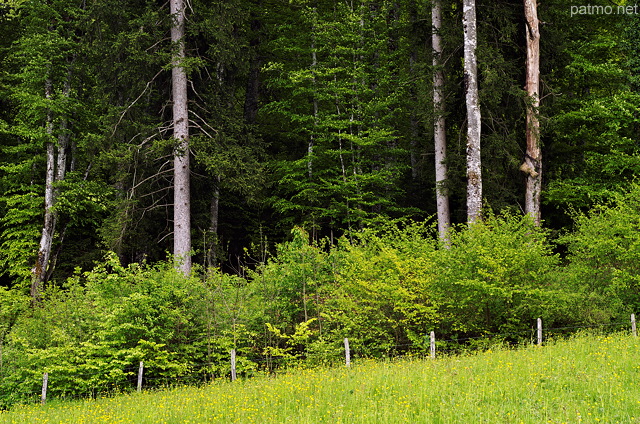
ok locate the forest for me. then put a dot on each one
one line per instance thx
(181, 178)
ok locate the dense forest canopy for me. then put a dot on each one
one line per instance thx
(316, 137)
(318, 114)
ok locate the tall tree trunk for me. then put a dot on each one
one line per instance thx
(532, 165)
(56, 170)
(474, 174)
(181, 184)
(214, 246)
(253, 81)
(439, 129)
(414, 123)
(314, 64)
(39, 271)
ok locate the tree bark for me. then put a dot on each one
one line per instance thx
(252, 93)
(474, 174)
(532, 165)
(213, 248)
(314, 65)
(439, 129)
(39, 271)
(181, 184)
(56, 170)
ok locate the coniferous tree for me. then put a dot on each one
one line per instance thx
(339, 104)
(591, 139)
(181, 173)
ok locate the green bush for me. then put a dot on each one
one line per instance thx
(385, 289)
(604, 256)
(91, 334)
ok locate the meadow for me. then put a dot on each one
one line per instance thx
(585, 379)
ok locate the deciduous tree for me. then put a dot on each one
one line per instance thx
(474, 170)
(439, 129)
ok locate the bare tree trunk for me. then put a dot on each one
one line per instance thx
(63, 137)
(474, 174)
(181, 184)
(439, 129)
(212, 256)
(253, 81)
(56, 169)
(60, 173)
(39, 271)
(314, 64)
(532, 165)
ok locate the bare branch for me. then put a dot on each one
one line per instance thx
(160, 172)
(134, 102)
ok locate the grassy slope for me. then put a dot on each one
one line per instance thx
(588, 379)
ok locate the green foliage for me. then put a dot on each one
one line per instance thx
(382, 299)
(592, 131)
(19, 236)
(604, 251)
(341, 158)
(300, 336)
(496, 279)
(386, 288)
(82, 203)
(491, 279)
(340, 92)
(91, 334)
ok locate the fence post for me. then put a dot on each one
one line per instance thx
(45, 381)
(140, 372)
(347, 353)
(633, 325)
(432, 337)
(539, 331)
(233, 365)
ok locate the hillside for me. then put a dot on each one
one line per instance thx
(589, 378)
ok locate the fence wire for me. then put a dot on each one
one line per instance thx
(199, 373)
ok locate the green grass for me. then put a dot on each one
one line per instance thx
(587, 379)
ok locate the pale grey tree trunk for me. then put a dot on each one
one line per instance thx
(474, 174)
(439, 129)
(39, 271)
(532, 165)
(56, 169)
(181, 183)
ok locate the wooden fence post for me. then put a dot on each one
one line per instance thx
(633, 325)
(233, 365)
(140, 371)
(45, 382)
(539, 331)
(432, 338)
(347, 353)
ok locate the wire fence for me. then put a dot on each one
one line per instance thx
(145, 377)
